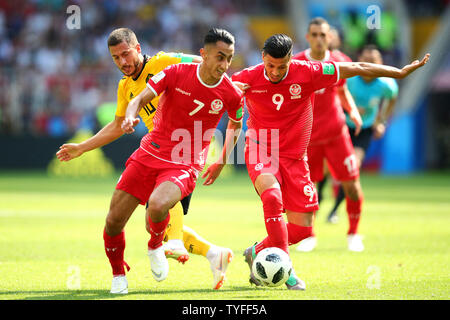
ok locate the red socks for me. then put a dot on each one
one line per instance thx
(354, 214)
(157, 231)
(114, 248)
(274, 221)
(298, 233)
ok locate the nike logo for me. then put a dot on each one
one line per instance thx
(158, 275)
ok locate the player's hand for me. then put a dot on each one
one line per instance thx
(128, 124)
(406, 70)
(356, 118)
(69, 151)
(212, 172)
(378, 130)
(241, 85)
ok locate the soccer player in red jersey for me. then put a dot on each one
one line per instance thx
(330, 138)
(278, 94)
(165, 167)
(137, 68)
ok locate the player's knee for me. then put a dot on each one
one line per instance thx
(157, 209)
(353, 190)
(272, 198)
(114, 224)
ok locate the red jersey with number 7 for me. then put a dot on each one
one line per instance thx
(188, 113)
(285, 106)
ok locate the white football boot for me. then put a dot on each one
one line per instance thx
(175, 249)
(219, 258)
(119, 285)
(307, 245)
(355, 243)
(158, 263)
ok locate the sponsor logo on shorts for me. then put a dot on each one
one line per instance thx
(259, 166)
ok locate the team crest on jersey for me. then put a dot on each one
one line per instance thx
(216, 106)
(295, 89)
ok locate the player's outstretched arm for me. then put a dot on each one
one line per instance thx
(131, 116)
(106, 135)
(372, 70)
(213, 171)
(349, 105)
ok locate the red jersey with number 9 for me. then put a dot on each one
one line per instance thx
(285, 106)
(188, 113)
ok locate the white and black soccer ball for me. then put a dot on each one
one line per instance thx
(272, 267)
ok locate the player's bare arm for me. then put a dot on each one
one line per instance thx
(349, 105)
(106, 135)
(379, 127)
(351, 69)
(131, 116)
(232, 134)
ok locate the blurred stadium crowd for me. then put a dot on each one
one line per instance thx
(53, 79)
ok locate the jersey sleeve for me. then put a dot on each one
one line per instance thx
(160, 81)
(239, 77)
(236, 105)
(324, 74)
(166, 59)
(122, 102)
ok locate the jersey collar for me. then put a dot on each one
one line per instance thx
(308, 55)
(146, 58)
(207, 85)
(267, 78)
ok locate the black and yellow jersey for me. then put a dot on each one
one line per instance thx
(130, 87)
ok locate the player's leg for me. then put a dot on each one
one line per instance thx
(320, 185)
(354, 200)
(219, 257)
(268, 188)
(300, 226)
(130, 191)
(344, 166)
(316, 160)
(173, 183)
(163, 198)
(360, 144)
(121, 207)
(174, 247)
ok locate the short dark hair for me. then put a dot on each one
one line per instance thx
(217, 34)
(317, 21)
(369, 47)
(122, 35)
(278, 46)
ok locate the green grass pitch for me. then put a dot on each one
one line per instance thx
(51, 244)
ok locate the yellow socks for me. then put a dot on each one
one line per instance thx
(194, 243)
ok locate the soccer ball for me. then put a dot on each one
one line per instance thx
(272, 267)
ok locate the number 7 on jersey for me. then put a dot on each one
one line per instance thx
(200, 106)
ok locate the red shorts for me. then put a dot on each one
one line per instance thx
(299, 193)
(144, 172)
(340, 157)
